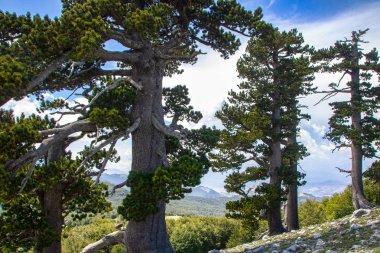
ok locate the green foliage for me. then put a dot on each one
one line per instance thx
(311, 212)
(339, 205)
(147, 190)
(373, 172)
(200, 234)
(177, 104)
(372, 191)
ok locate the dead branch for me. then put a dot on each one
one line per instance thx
(113, 138)
(113, 86)
(118, 186)
(344, 171)
(105, 161)
(108, 240)
(30, 172)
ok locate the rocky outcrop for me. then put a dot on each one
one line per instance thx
(359, 232)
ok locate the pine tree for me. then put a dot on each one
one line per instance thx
(261, 123)
(354, 123)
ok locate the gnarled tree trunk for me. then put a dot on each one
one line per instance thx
(148, 153)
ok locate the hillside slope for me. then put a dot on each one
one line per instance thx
(356, 233)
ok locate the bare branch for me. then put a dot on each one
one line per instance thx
(113, 138)
(60, 134)
(77, 126)
(30, 172)
(164, 129)
(344, 171)
(108, 240)
(105, 161)
(118, 186)
(113, 86)
(45, 74)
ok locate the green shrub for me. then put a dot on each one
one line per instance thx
(372, 191)
(311, 212)
(74, 239)
(339, 205)
(200, 234)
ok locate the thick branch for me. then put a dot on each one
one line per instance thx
(108, 240)
(59, 135)
(118, 186)
(164, 129)
(77, 126)
(126, 57)
(178, 57)
(125, 40)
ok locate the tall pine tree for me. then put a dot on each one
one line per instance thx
(354, 123)
(261, 124)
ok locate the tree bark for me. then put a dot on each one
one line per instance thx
(52, 203)
(148, 153)
(291, 208)
(358, 198)
(274, 212)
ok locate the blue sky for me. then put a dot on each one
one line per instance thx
(322, 22)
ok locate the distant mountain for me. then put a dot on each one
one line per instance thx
(205, 192)
(302, 197)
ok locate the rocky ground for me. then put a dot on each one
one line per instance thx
(359, 232)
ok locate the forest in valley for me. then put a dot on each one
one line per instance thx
(53, 200)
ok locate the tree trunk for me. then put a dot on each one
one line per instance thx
(291, 208)
(358, 198)
(52, 203)
(274, 212)
(148, 153)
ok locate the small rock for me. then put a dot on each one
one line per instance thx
(265, 237)
(285, 251)
(257, 250)
(276, 245)
(320, 243)
(356, 247)
(375, 236)
(317, 235)
(214, 251)
(360, 212)
(331, 251)
(293, 248)
(275, 251)
(355, 226)
(363, 242)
